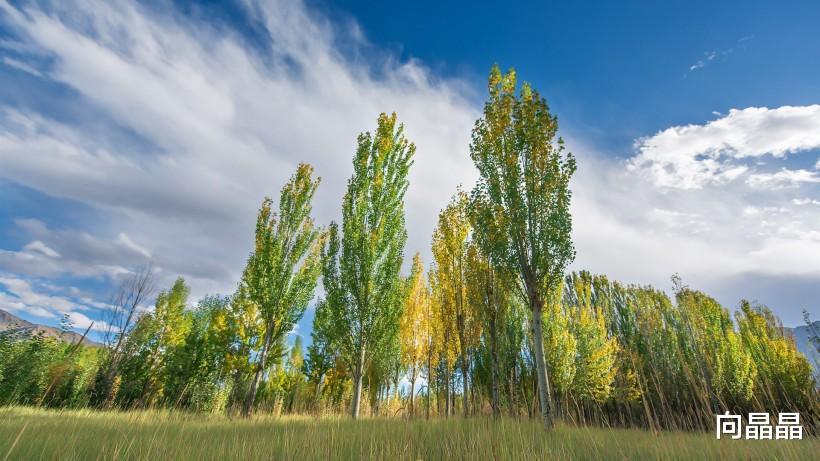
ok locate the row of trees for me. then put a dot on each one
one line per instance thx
(492, 326)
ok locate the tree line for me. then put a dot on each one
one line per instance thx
(493, 326)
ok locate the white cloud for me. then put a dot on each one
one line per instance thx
(19, 296)
(40, 247)
(782, 179)
(53, 253)
(21, 66)
(226, 125)
(749, 210)
(701, 63)
(693, 156)
(214, 124)
(805, 201)
(728, 239)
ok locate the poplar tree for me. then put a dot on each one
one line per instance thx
(450, 252)
(321, 353)
(362, 262)
(488, 297)
(414, 328)
(171, 328)
(520, 205)
(284, 267)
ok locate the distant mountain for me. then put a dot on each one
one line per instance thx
(9, 321)
(802, 335)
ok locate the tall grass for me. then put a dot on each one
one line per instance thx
(163, 435)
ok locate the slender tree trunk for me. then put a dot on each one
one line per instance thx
(453, 408)
(511, 389)
(464, 375)
(429, 380)
(473, 404)
(294, 403)
(427, 408)
(318, 402)
(374, 398)
(146, 388)
(247, 409)
(447, 389)
(357, 385)
(496, 404)
(148, 384)
(412, 391)
(396, 386)
(438, 400)
(541, 364)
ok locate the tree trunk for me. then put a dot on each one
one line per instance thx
(496, 404)
(429, 381)
(473, 404)
(318, 401)
(541, 364)
(465, 398)
(453, 407)
(412, 391)
(447, 390)
(511, 390)
(396, 386)
(247, 409)
(148, 384)
(357, 385)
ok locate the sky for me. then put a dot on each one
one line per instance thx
(135, 133)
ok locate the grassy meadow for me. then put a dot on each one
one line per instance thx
(32, 434)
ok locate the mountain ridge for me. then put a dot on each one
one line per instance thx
(10, 321)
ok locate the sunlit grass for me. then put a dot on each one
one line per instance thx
(162, 435)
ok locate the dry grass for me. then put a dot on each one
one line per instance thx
(31, 434)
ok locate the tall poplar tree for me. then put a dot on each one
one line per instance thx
(284, 267)
(171, 326)
(488, 298)
(414, 327)
(520, 205)
(361, 272)
(450, 251)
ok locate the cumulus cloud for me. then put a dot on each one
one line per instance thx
(739, 201)
(782, 179)
(805, 201)
(628, 226)
(692, 156)
(19, 296)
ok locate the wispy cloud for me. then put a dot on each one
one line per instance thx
(218, 125)
(21, 66)
(707, 57)
(710, 56)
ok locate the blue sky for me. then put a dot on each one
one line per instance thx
(151, 132)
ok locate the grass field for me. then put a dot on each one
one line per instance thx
(30, 434)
